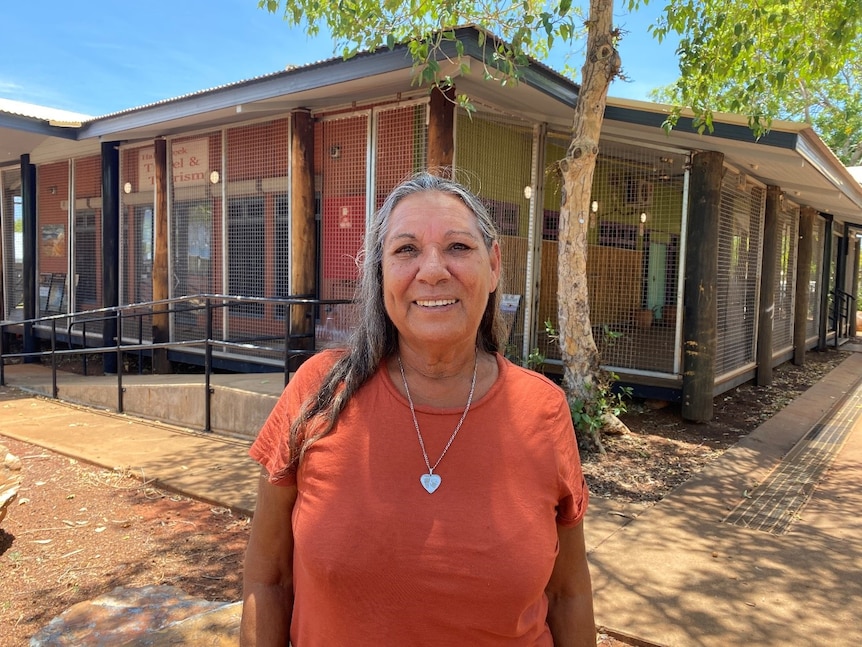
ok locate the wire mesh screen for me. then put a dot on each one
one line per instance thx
(196, 227)
(495, 157)
(833, 277)
(257, 226)
(815, 279)
(137, 236)
(52, 221)
(555, 150)
(11, 212)
(343, 167)
(400, 147)
(739, 249)
(87, 236)
(633, 252)
(784, 294)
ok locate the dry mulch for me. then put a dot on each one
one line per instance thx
(78, 531)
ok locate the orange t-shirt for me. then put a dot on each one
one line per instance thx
(380, 561)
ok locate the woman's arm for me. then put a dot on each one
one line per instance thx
(570, 593)
(267, 587)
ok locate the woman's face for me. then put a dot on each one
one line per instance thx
(437, 271)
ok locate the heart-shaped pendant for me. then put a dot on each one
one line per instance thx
(430, 482)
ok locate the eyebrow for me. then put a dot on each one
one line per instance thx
(448, 234)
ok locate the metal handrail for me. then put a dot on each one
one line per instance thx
(842, 306)
(207, 302)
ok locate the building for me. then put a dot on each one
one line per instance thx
(262, 188)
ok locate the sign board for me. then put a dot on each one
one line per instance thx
(509, 303)
(190, 161)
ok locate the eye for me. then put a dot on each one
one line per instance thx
(405, 249)
(460, 247)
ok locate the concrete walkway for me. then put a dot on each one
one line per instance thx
(718, 562)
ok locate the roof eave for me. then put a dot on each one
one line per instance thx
(35, 126)
(288, 82)
(326, 73)
(536, 74)
(815, 152)
(732, 127)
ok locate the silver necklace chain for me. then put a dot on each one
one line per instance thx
(430, 467)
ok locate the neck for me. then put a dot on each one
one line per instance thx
(444, 384)
(454, 362)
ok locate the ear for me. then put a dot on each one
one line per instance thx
(496, 266)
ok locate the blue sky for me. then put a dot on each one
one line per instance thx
(102, 56)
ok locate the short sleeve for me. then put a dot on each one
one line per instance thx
(271, 448)
(574, 494)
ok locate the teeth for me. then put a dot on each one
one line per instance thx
(439, 302)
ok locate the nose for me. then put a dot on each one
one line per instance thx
(432, 266)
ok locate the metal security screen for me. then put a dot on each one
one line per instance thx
(815, 280)
(737, 285)
(52, 235)
(87, 233)
(13, 243)
(633, 252)
(555, 150)
(784, 295)
(196, 235)
(258, 242)
(833, 279)
(495, 157)
(137, 235)
(400, 147)
(342, 166)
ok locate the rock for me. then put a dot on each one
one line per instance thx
(216, 628)
(655, 405)
(148, 616)
(11, 461)
(613, 426)
(10, 480)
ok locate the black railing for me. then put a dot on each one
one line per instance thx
(843, 307)
(289, 349)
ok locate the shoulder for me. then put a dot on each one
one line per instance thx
(534, 383)
(317, 366)
(530, 393)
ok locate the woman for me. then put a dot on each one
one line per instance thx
(417, 488)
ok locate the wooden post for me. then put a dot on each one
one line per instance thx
(701, 270)
(303, 236)
(767, 286)
(161, 284)
(441, 130)
(803, 278)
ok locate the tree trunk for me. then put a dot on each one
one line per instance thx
(577, 346)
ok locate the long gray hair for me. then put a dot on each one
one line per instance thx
(375, 338)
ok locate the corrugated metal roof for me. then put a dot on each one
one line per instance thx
(225, 86)
(43, 113)
(297, 69)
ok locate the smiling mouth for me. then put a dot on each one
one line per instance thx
(436, 303)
